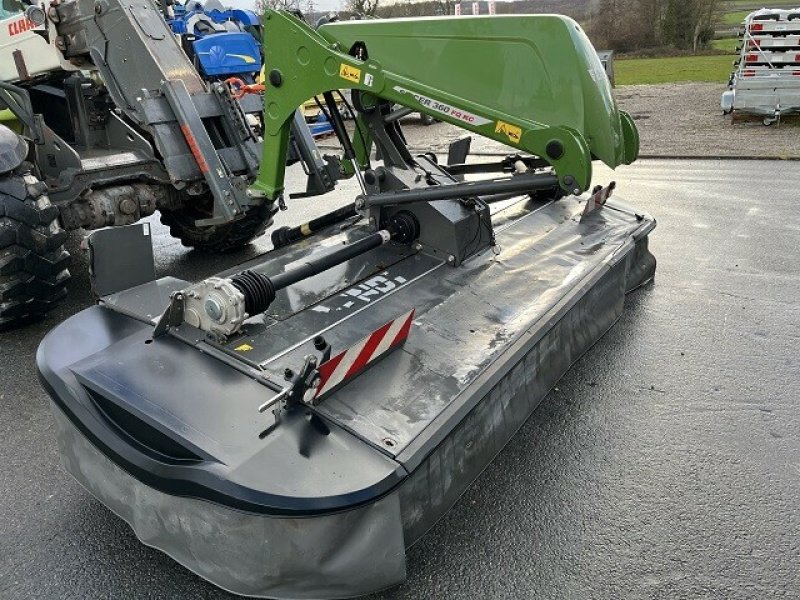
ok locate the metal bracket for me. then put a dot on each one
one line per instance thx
(302, 386)
(172, 317)
(228, 198)
(18, 101)
(322, 172)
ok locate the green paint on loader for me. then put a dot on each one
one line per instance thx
(533, 82)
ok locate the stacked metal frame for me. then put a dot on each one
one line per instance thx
(766, 80)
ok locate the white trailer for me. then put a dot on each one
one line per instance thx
(766, 80)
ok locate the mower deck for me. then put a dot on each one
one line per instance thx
(166, 431)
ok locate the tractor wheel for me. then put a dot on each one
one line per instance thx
(33, 261)
(217, 238)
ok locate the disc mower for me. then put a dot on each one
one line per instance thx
(287, 428)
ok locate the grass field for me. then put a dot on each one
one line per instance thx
(717, 68)
(735, 17)
(726, 44)
(634, 71)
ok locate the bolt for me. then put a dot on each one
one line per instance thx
(127, 206)
(417, 246)
(214, 310)
(359, 203)
(451, 259)
(288, 374)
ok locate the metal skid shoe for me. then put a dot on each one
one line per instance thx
(289, 427)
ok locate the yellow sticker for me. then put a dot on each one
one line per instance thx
(243, 348)
(513, 132)
(350, 73)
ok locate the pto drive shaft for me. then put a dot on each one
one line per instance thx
(221, 305)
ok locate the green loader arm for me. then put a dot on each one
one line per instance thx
(533, 82)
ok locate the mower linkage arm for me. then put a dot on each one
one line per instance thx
(305, 65)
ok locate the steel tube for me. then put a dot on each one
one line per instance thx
(517, 183)
(314, 266)
(288, 235)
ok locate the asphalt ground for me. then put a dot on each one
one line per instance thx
(666, 463)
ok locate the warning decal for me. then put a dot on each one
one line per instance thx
(354, 360)
(350, 73)
(513, 132)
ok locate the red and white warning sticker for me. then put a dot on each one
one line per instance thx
(444, 108)
(349, 363)
(598, 199)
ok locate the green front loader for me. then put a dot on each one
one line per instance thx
(533, 82)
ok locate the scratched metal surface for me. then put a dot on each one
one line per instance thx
(663, 466)
(336, 294)
(465, 317)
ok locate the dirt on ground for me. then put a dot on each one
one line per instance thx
(674, 120)
(686, 120)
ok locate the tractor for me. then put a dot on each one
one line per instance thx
(111, 111)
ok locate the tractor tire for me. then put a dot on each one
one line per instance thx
(33, 261)
(218, 239)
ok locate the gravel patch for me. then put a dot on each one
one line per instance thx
(686, 120)
(674, 120)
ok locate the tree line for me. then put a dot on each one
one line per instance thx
(631, 25)
(621, 25)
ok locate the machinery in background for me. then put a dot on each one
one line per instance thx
(221, 42)
(116, 119)
(766, 79)
(286, 428)
(225, 43)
